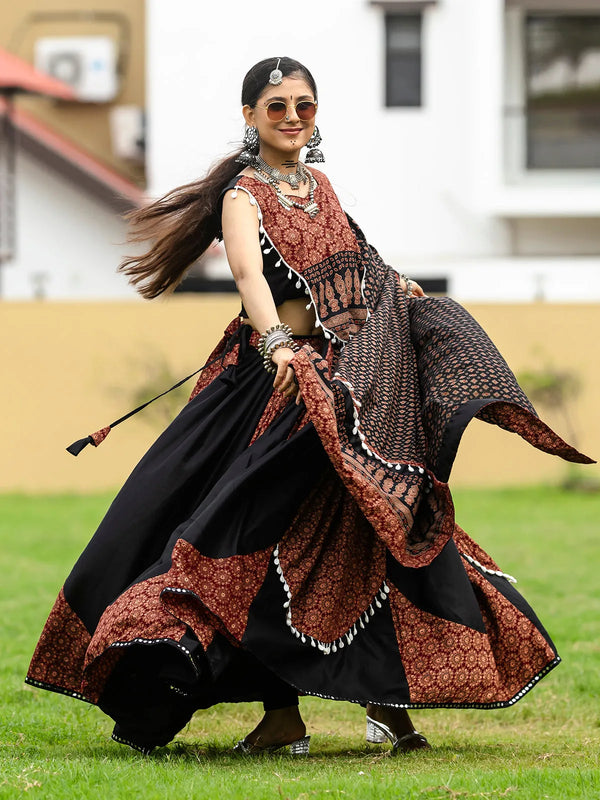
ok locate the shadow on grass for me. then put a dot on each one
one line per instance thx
(224, 755)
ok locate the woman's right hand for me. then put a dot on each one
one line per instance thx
(285, 380)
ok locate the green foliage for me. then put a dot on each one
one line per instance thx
(549, 386)
(151, 375)
(556, 390)
(53, 747)
(572, 98)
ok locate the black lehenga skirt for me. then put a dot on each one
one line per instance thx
(234, 553)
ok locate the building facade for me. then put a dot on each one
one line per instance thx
(75, 165)
(463, 135)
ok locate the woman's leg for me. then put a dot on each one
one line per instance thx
(400, 730)
(278, 694)
(278, 727)
(281, 724)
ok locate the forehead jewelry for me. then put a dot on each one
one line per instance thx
(276, 76)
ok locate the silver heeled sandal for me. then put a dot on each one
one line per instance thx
(378, 732)
(298, 748)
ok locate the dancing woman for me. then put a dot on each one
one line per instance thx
(292, 530)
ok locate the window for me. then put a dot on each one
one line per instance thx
(403, 59)
(562, 66)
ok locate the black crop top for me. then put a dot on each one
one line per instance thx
(281, 287)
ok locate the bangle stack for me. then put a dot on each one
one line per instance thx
(409, 285)
(279, 335)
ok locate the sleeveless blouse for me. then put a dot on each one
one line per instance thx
(281, 288)
(317, 258)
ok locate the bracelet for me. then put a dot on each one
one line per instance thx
(272, 339)
(279, 328)
(409, 284)
(286, 343)
(268, 362)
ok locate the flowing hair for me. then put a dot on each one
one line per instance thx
(184, 223)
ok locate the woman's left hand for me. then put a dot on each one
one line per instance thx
(416, 290)
(411, 288)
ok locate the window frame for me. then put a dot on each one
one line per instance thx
(417, 14)
(514, 117)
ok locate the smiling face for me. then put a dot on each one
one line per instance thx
(282, 140)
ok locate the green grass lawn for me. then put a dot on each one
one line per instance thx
(544, 747)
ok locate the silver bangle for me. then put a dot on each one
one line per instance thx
(279, 335)
(273, 338)
(409, 284)
(268, 362)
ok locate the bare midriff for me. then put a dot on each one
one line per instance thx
(294, 313)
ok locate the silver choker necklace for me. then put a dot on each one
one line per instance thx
(309, 206)
(294, 179)
(269, 175)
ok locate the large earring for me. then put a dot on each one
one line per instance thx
(314, 155)
(251, 144)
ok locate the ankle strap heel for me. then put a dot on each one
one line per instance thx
(374, 734)
(378, 732)
(300, 747)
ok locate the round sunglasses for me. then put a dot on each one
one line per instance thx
(277, 110)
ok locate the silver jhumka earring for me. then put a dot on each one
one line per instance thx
(314, 155)
(251, 144)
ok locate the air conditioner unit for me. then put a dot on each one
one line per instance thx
(87, 63)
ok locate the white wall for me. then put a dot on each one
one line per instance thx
(402, 172)
(70, 239)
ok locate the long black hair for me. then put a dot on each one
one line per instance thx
(184, 223)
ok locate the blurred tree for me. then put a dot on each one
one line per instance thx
(557, 390)
(155, 376)
(553, 388)
(554, 38)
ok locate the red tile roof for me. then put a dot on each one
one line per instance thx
(17, 75)
(69, 157)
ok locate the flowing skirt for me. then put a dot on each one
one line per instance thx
(234, 552)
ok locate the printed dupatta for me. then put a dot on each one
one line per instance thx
(411, 374)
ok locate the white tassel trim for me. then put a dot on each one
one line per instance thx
(346, 638)
(362, 292)
(292, 274)
(498, 572)
(356, 430)
(329, 334)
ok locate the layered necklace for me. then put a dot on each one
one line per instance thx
(273, 176)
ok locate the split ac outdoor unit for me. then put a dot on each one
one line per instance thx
(87, 63)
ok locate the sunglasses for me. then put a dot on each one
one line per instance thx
(277, 110)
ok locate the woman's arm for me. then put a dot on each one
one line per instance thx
(241, 240)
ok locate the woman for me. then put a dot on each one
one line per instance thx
(292, 530)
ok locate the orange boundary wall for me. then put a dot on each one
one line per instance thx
(70, 368)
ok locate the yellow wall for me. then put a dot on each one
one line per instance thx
(85, 123)
(70, 368)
